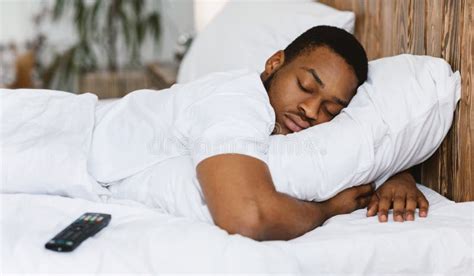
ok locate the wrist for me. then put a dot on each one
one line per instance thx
(325, 209)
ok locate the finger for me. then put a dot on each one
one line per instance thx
(384, 205)
(399, 201)
(410, 207)
(423, 204)
(365, 190)
(373, 206)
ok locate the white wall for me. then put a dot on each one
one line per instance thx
(177, 18)
(205, 10)
(16, 22)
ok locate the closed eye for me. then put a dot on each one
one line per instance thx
(329, 113)
(302, 87)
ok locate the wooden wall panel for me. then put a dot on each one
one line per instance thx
(440, 28)
(464, 144)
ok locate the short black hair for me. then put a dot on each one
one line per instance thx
(340, 41)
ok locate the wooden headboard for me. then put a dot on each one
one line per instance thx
(440, 28)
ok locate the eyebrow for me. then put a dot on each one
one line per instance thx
(314, 74)
(318, 80)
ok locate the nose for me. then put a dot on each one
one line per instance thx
(310, 109)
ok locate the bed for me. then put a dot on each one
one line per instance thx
(140, 239)
(143, 240)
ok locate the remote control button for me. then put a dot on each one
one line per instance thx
(100, 218)
(60, 241)
(68, 234)
(76, 236)
(89, 230)
(69, 243)
(51, 242)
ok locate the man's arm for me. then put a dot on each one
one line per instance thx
(242, 199)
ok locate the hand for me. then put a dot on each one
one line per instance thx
(349, 200)
(401, 194)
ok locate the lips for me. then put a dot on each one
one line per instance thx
(294, 122)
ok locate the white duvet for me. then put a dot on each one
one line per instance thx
(45, 139)
(143, 240)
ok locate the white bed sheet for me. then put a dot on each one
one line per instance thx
(143, 240)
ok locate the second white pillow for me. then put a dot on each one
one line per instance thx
(244, 34)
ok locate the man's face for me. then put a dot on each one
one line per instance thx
(312, 89)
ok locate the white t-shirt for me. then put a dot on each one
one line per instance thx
(221, 113)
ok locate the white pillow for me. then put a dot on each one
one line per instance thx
(398, 118)
(245, 34)
(45, 139)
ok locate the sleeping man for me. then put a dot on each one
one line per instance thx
(224, 123)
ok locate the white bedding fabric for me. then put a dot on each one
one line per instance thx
(45, 137)
(143, 240)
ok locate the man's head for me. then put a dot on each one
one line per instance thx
(314, 78)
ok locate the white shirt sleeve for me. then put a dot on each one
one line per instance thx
(222, 123)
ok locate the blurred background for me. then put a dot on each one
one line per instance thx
(107, 47)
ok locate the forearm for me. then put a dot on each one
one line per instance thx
(242, 200)
(285, 217)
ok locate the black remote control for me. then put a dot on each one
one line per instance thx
(85, 226)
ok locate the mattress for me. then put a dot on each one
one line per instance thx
(144, 240)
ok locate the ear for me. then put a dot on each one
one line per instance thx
(274, 63)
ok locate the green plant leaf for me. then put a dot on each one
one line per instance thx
(96, 8)
(58, 9)
(137, 7)
(140, 29)
(125, 23)
(154, 25)
(80, 18)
